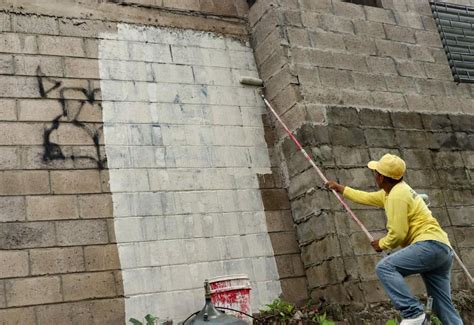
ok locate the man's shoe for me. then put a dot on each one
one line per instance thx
(414, 321)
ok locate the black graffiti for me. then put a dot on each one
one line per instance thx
(71, 110)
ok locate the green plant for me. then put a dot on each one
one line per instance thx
(150, 320)
(284, 310)
(392, 322)
(321, 319)
(435, 320)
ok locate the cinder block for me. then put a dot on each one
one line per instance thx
(366, 266)
(335, 78)
(428, 38)
(26, 235)
(410, 69)
(292, 18)
(62, 46)
(454, 178)
(95, 206)
(88, 285)
(17, 316)
(447, 159)
(462, 123)
(319, 6)
(424, 178)
(400, 34)
(346, 9)
(224, 8)
(328, 22)
(81, 68)
(392, 49)
(56, 260)
(24, 182)
(343, 116)
(284, 243)
(359, 44)
(86, 28)
(401, 84)
(417, 158)
(6, 64)
(18, 43)
(316, 226)
(369, 29)
(328, 40)
(294, 289)
(300, 37)
(381, 66)
(13, 208)
(415, 139)
(35, 24)
(8, 110)
(438, 71)
(9, 158)
(308, 76)
(365, 81)
(356, 177)
(464, 236)
(280, 220)
(374, 118)
(373, 291)
(80, 181)
(51, 207)
(379, 15)
(286, 99)
(346, 136)
(419, 103)
(421, 53)
(103, 257)
(406, 120)
(352, 157)
(14, 264)
(81, 232)
(321, 250)
(28, 65)
(328, 272)
(33, 291)
(103, 311)
(5, 24)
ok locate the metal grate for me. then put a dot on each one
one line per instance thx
(456, 28)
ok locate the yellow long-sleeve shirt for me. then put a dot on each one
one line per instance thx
(408, 218)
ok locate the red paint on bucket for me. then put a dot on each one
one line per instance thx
(232, 292)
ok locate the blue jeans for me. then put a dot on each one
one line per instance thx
(433, 261)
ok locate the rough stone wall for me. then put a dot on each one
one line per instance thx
(355, 82)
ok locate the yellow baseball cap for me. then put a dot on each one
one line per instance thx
(389, 165)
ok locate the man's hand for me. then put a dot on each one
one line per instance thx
(332, 185)
(375, 245)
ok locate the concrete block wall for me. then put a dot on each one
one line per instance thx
(185, 143)
(58, 260)
(133, 163)
(354, 82)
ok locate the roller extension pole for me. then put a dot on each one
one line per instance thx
(351, 213)
(300, 147)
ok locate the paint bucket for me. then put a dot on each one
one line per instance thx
(233, 292)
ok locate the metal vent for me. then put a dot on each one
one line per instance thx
(456, 28)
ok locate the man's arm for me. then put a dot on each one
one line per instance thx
(367, 198)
